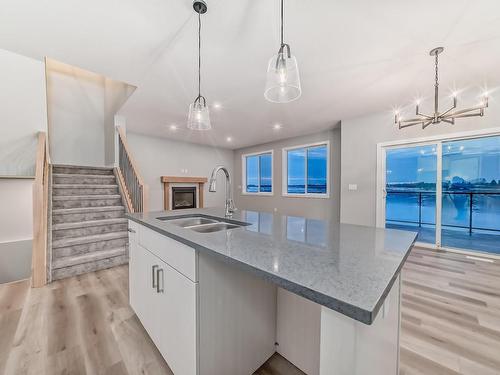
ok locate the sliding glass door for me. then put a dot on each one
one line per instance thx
(410, 191)
(447, 191)
(471, 194)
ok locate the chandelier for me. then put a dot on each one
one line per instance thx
(447, 116)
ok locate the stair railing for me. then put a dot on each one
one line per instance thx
(136, 194)
(40, 213)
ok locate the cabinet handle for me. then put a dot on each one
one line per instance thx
(158, 289)
(131, 230)
(154, 273)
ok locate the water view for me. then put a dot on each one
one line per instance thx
(470, 199)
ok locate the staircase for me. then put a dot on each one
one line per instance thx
(89, 229)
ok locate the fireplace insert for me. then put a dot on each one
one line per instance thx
(183, 197)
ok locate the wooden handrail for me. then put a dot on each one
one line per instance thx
(40, 210)
(133, 185)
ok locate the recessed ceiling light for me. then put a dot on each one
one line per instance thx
(229, 139)
(173, 127)
(277, 126)
(217, 105)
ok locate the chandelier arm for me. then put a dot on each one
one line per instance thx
(416, 119)
(452, 121)
(426, 124)
(405, 124)
(448, 110)
(480, 113)
(462, 111)
(425, 117)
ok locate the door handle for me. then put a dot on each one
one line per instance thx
(131, 230)
(154, 273)
(158, 288)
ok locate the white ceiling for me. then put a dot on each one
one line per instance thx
(355, 56)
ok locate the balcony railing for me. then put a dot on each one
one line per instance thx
(470, 206)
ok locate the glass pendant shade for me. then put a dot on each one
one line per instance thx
(199, 116)
(283, 80)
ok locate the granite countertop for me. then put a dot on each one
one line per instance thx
(347, 268)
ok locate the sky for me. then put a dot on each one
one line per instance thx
(469, 159)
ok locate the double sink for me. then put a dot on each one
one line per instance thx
(203, 223)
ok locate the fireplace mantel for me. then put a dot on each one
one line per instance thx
(167, 180)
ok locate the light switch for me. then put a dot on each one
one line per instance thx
(353, 187)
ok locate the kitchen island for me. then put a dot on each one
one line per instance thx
(219, 296)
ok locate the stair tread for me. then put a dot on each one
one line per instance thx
(79, 175)
(73, 260)
(82, 197)
(72, 241)
(81, 167)
(89, 223)
(83, 186)
(83, 210)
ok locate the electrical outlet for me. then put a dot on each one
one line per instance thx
(353, 187)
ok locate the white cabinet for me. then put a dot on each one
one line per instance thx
(175, 320)
(165, 302)
(179, 256)
(204, 317)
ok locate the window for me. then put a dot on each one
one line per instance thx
(258, 173)
(306, 170)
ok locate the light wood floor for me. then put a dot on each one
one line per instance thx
(83, 325)
(450, 315)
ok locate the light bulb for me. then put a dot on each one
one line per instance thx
(281, 69)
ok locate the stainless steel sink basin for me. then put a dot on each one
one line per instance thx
(191, 222)
(215, 227)
(203, 223)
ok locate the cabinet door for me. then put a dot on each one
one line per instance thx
(143, 296)
(137, 280)
(175, 309)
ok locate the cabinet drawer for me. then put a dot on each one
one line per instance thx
(179, 256)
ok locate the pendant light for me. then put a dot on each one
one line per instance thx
(199, 116)
(283, 81)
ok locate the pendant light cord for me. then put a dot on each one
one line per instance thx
(199, 55)
(281, 14)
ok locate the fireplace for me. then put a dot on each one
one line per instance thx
(183, 197)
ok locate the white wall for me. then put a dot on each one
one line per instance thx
(158, 157)
(23, 112)
(16, 214)
(16, 228)
(359, 152)
(320, 208)
(82, 106)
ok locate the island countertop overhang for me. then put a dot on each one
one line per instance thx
(344, 267)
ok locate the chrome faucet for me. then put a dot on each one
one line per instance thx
(229, 205)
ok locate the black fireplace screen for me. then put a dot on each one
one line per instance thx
(183, 197)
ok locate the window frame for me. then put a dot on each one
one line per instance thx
(284, 181)
(244, 173)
